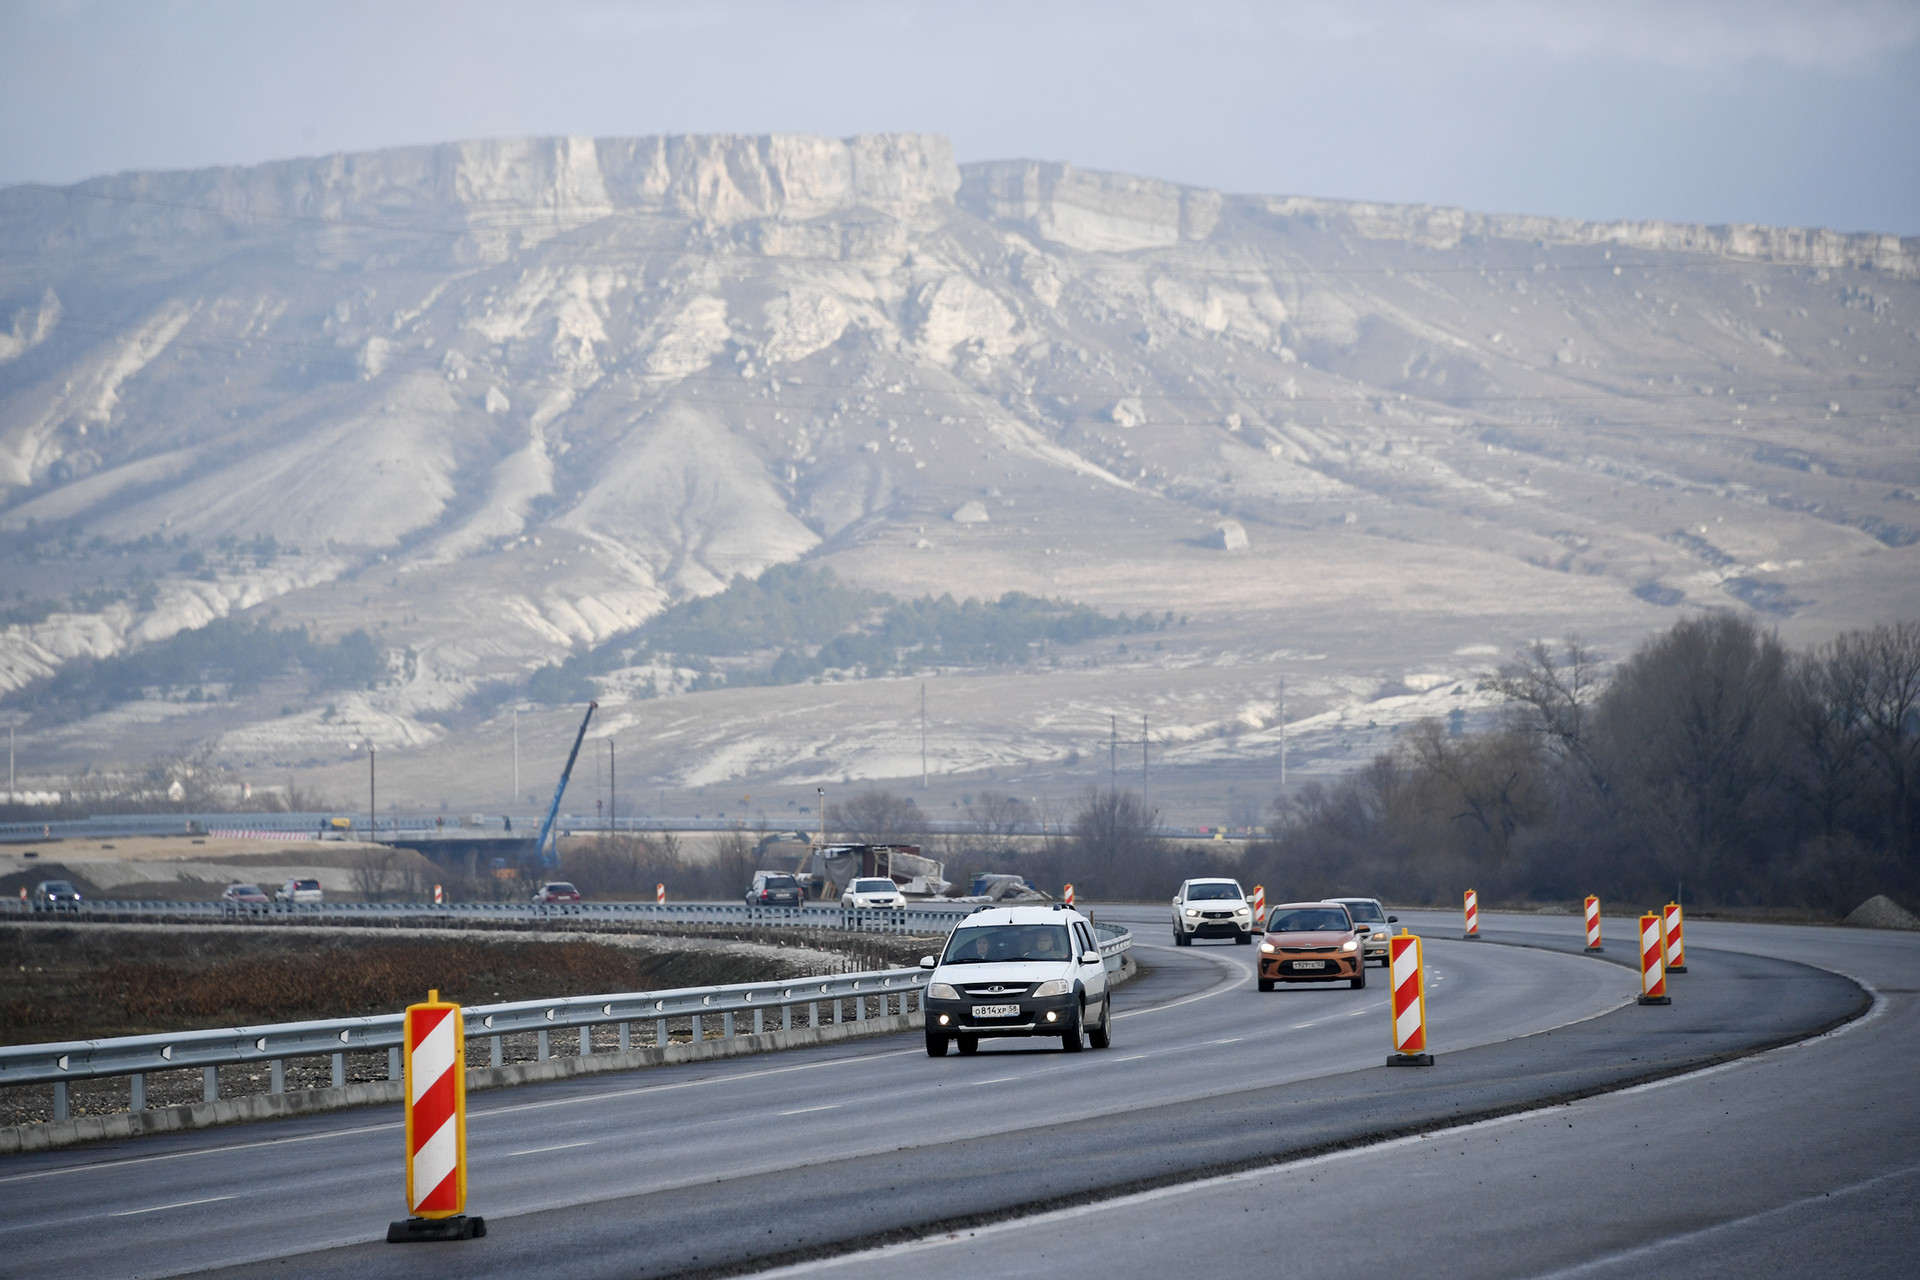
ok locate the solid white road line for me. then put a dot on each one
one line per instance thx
(801, 1111)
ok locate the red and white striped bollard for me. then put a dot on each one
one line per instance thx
(1066, 895)
(435, 1083)
(1676, 946)
(659, 893)
(1653, 960)
(1593, 924)
(1409, 1002)
(1259, 908)
(1473, 916)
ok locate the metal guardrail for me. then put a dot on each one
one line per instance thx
(135, 1056)
(917, 919)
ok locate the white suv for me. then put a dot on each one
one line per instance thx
(299, 890)
(1212, 909)
(872, 891)
(1018, 971)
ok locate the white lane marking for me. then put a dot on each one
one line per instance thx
(179, 1204)
(564, 1146)
(1227, 1179)
(1240, 977)
(801, 1111)
(204, 1151)
(1133, 1057)
(996, 1080)
(1230, 1040)
(473, 1114)
(1731, 1224)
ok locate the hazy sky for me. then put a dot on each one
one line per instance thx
(1751, 111)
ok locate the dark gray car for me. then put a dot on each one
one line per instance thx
(773, 889)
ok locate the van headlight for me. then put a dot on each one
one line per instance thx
(941, 991)
(1193, 911)
(1058, 987)
(1351, 944)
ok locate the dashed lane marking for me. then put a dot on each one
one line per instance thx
(562, 1146)
(178, 1204)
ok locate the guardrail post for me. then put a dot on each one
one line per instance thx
(139, 1082)
(339, 1070)
(859, 1008)
(786, 1017)
(759, 1021)
(626, 1036)
(726, 1024)
(839, 1011)
(699, 1031)
(60, 1107)
(495, 1055)
(393, 1063)
(543, 1044)
(813, 1013)
(279, 1075)
(659, 1033)
(586, 1042)
(210, 1084)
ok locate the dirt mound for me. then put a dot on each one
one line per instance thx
(1882, 912)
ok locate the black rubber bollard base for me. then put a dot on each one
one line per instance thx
(1469, 937)
(1676, 968)
(426, 1230)
(1594, 950)
(1409, 1059)
(1656, 999)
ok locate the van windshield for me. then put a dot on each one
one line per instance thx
(1213, 892)
(1000, 943)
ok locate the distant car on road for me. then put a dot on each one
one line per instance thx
(55, 895)
(1211, 909)
(251, 895)
(298, 890)
(556, 891)
(773, 889)
(1018, 971)
(1368, 913)
(872, 891)
(1311, 942)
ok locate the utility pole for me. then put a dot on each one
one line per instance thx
(516, 755)
(1113, 753)
(373, 800)
(1143, 761)
(923, 735)
(821, 793)
(613, 791)
(1283, 739)
(10, 788)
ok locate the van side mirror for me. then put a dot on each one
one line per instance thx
(926, 962)
(1393, 919)
(1089, 957)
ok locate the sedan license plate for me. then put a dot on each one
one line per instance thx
(996, 1011)
(1309, 964)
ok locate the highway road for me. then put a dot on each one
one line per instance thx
(810, 1155)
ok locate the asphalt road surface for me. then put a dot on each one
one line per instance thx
(1223, 1124)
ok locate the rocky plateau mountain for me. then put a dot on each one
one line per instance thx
(494, 402)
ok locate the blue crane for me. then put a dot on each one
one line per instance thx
(550, 856)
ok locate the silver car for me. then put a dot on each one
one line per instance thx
(1368, 914)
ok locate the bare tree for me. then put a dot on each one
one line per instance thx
(1887, 659)
(1552, 696)
(877, 817)
(372, 873)
(1114, 836)
(996, 819)
(1492, 782)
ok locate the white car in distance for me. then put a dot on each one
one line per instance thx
(1019, 971)
(1368, 914)
(1212, 909)
(872, 891)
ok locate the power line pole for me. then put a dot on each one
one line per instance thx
(373, 799)
(516, 755)
(1283, 738)
(1113, 753)
(10, 786)
(923, 735)
(1143, 761)
(613, 791)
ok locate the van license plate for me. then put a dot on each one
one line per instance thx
(996, 1011)
(1309, 964)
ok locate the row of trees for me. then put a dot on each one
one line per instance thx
(1713, 762)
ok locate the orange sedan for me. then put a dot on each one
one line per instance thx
(1311, 942)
